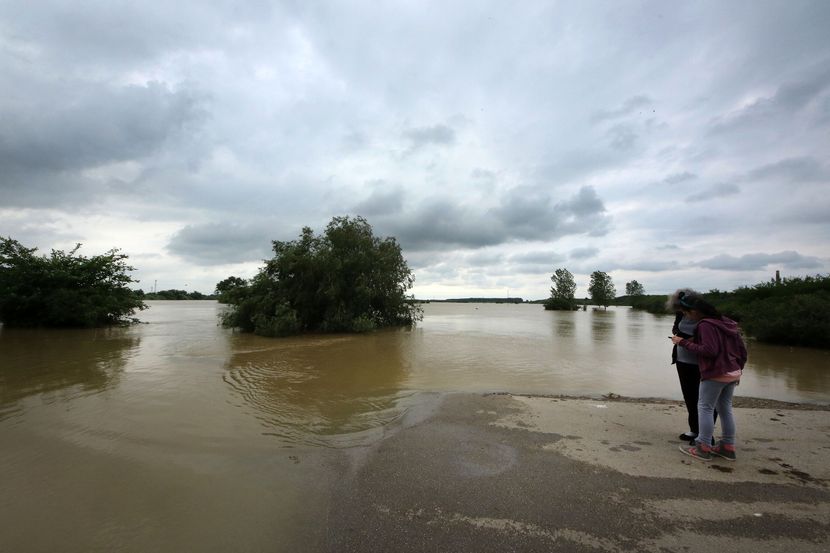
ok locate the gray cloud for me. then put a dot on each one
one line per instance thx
(792, 170)
(583, 253)
(483, 174)
(424, 136)
(441, 225)
(757, 261)
(715, 191)
(165, 114)
(628, 107)
(523, 214)
(385, 199)
(537, 259)
(224, 243)
(790, 98)
(47, 143)
(483, 259)
(677, 178)
(96, 125)
(622, 136)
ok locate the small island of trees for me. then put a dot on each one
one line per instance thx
(347, 280)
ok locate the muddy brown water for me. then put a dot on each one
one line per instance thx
(177, 434)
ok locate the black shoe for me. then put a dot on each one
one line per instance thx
(688, 436)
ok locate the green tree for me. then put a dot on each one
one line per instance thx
(602, 289)
(562, 292)
(64, 289)
(228, 288)
(346, 280)
(634, 288)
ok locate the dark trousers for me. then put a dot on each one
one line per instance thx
(690, 385)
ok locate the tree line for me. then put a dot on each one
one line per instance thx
(174, 294)
(601, 290)
(348, 280)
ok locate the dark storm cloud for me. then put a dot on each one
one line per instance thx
(523, 214)
(92, 126)
(46, 144)
(442, 225)
(224, 243)
(757, 261)
(714, 191)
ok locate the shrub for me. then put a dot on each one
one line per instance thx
(346, 280)
(64, 289)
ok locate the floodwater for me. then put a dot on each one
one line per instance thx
(179, 435)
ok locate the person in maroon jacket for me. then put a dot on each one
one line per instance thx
(721, 356)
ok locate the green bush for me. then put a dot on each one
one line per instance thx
(800, 320)
(560, 304)
(64, 289)
(346, 280)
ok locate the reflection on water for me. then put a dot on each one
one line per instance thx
(309, 389)
(634, 322)
(565, 325)
(59, 365)
(603, 324)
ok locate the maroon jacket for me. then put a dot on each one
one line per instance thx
(719, 347)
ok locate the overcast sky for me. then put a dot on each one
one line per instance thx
(676, 143)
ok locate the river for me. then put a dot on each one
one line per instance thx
(176, 434)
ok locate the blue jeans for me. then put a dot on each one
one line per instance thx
(710, 395)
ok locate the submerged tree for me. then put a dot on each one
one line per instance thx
(346, 280)
(64, 288)
(562, 292)
(226, 289)
(602, 289)
(634, 288)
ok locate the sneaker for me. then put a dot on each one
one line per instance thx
(697, 452)
(687, 436)
(726, 451)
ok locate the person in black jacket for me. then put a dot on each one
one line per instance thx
(686, 362)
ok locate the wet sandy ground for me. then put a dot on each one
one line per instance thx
(517, 473)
